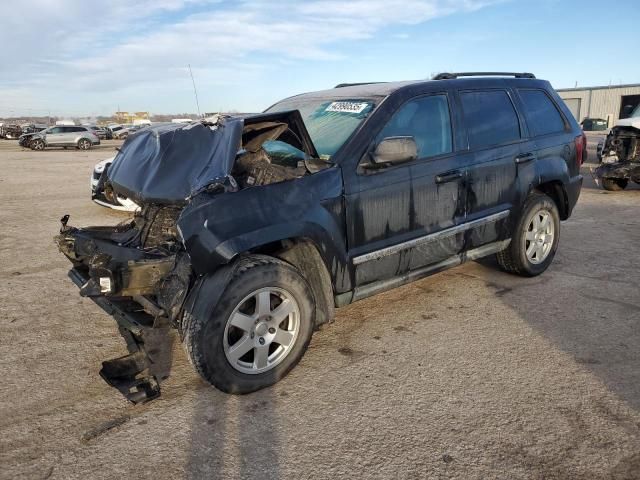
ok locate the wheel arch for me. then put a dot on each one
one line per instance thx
(304, 254)
(556, 191)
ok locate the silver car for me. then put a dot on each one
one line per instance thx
(80, 137)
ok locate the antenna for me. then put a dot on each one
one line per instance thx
(195, 92)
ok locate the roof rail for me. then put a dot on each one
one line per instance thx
(450, 76)
(342, 85)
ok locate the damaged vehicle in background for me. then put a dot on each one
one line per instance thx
(252, 229)
(620, 154)
(108, 199)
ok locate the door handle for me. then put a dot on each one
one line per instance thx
(448, 177)
(524, 158)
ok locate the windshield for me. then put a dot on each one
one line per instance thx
(329, 122)
(636, 112)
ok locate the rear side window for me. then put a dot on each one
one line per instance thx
(426, 119)
(543, 117)
(490, 117)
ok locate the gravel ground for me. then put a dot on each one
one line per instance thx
(468, 374)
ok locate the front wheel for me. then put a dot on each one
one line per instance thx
(37, 144)
(257, 332)
(614, 184)
(535, 239)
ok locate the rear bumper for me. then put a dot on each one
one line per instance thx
(573, 189)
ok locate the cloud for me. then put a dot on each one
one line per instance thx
(115, 46)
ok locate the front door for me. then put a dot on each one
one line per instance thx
(393, 212)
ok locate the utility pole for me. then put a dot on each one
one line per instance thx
(195, 91)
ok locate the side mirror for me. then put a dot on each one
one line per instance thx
(394, 150)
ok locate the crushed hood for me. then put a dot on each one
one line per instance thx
(169, 163)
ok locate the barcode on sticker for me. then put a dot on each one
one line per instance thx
(347, 107)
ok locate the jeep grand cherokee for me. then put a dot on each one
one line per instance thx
(252, 229)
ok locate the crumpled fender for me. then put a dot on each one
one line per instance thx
(223, 226)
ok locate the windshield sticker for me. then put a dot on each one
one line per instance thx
(346, 107)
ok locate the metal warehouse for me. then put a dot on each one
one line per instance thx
(609, 103)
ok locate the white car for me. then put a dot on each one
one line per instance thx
(117, 202)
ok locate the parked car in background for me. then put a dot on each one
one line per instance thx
(10, 131)
(65, 136)
(594, 124)
(333, 196)
(114, 129)
(101, 132)
(126, 131)
(111, 199)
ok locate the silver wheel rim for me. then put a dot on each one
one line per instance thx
(84, 144)
(538, 237)
(262, 330)
(38, 145)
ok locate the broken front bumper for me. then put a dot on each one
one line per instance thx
(143, 291)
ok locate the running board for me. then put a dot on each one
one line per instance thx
(383, 285)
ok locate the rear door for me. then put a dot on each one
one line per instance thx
(551, 138)
(495, 139)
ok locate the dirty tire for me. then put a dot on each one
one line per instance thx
(204, 337)
(513, 259)
(37, 145)
(84, 144)
(614, 184)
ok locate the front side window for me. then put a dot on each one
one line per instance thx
(330, 122)
(427, 120)
(543, 117)
(490, 118)
(55, 130)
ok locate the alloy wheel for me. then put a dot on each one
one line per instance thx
(262, 330)
(538, 237)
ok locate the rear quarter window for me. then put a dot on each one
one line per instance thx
(542, 115)
(490, 118)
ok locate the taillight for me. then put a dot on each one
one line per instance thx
(581, 148)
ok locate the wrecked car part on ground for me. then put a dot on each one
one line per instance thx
(252, 229)
(620, 155)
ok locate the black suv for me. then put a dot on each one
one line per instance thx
(253, 228)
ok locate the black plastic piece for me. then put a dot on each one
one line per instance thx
(451, 76)
(130, 375)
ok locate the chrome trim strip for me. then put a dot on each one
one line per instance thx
(432, 237)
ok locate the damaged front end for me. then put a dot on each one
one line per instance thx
(620, 156)
(140, 271)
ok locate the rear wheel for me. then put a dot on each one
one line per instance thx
(535, 239)
(37, 144)
(84, 144)
(614, 184)
(257, 332)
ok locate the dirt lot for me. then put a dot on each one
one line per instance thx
(469, 374)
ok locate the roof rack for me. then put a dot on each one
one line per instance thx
(342, 85)
(450, 76)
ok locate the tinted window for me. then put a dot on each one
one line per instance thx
(55, 130)
(490, 118)
(425, 119)
(542, 115)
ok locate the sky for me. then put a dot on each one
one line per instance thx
(85, 58)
